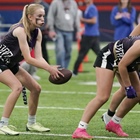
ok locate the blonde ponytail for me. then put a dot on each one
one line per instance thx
(27, 10)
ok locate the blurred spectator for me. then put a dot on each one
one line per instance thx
(122, 18)
(62, 21)
(90, 37)
(44, 30)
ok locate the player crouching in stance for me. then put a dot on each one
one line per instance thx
(16, 46)
(118, 58)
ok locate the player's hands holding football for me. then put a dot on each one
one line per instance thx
(60, 77)
(54, 72)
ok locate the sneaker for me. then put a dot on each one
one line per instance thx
(37, 127)
(7, 130)
(74, 74)
(106, 118)
(80, 133)
(116, 128)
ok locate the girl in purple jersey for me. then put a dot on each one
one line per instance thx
(16, 46)
(118, 58)
(117, 97)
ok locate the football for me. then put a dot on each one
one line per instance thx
(67, 75)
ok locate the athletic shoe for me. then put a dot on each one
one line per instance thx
(74, 75)
(7, 130)
(106, 118)
(37, 127)
(80, 133)
(116, 128)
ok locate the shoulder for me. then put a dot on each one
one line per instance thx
(93, 5)
(74, 2)
(38, 32)
(92, 8)
(54, 2)
(19, 31)
(115, 8)
(46, 5)
(133, 8)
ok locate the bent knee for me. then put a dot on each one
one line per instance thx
(17, 89)
(37, 89)
(103, 99)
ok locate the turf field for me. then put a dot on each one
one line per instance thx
(61, 107)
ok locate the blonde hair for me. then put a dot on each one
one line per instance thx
(27, 10)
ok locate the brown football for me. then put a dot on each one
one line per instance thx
(67, 75)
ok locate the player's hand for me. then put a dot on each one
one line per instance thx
(54, 72)
(130, 92)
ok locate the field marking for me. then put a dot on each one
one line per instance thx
(68, 135)
(64, 108)
(61, 108)
(115, 84)
(58, 92)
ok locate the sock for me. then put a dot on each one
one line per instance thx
(82, 125)
(106, 118)
(116, 119)
(31, 119)
(110, 113)
(4, 121)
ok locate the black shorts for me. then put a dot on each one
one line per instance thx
(14, 68)
(105, 59)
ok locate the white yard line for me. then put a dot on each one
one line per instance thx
(63, 108)
(58, 92)
(68, 135)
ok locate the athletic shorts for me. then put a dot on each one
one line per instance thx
(105, 59)
(4, 67)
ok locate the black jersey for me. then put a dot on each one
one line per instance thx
(10, 52)
(120, 48)
(110, 56)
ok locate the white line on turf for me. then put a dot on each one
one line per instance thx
(58, 92)
(63, 108)
(68, 135)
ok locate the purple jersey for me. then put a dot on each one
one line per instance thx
(110, 56)
(10, 52)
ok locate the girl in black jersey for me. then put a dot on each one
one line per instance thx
(16, 46)
(118, 96)
(120, 58)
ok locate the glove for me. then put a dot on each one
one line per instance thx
(130, 92)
